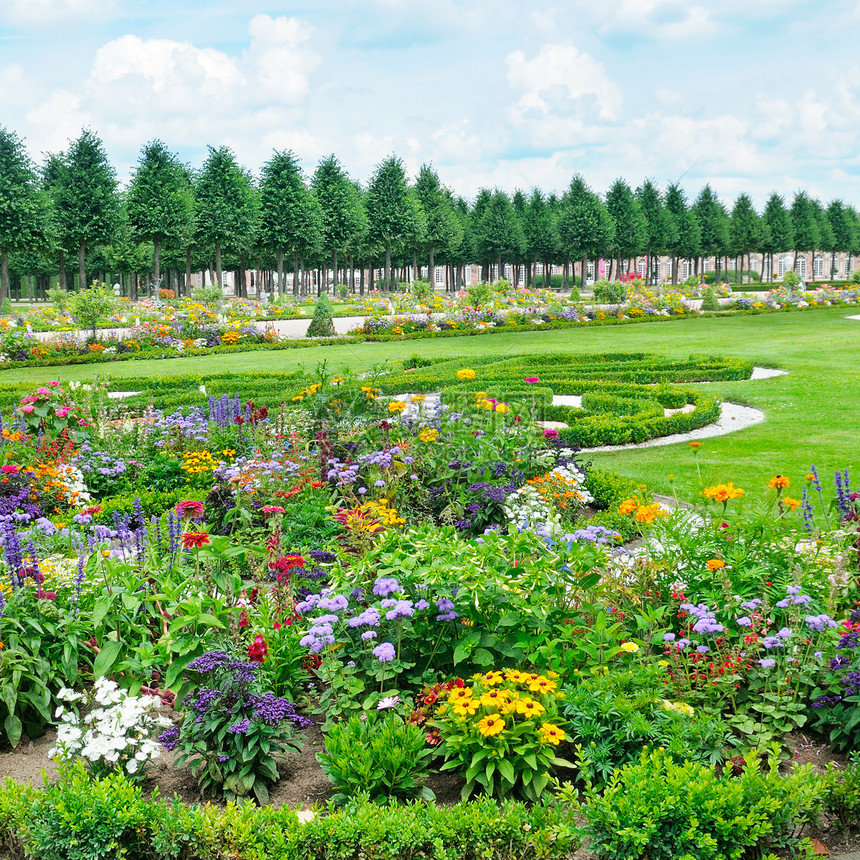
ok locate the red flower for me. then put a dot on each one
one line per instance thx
(258, 650)
(194, 540)
(189, 509)
(273, 509)
(95, 509)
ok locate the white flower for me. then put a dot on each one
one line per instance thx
(305, 815)
(387, 702)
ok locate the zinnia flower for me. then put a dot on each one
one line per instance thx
(194, 540)
(189, 509)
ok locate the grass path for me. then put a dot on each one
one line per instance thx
(813, 413)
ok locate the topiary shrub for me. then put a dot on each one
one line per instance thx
(321, 324)
(709, 301)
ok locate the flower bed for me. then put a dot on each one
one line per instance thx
(437, 588)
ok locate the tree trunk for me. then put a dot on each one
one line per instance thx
(431, 267)
(243, 284)
(361, 278)
(386, 276)
(4, 274)
(156, 260)
(62, 281)
(295, 273)
(281, 276)
(334, 269)
(82, 274)
(218, 269)
(301, 291)
(188, 271)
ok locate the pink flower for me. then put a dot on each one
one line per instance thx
(28, 408)
(532, 379)
(273, 509)
(63, 411)
(549, 433)
(190, 509)
(43, 391)
(10, 469)
(54, 382)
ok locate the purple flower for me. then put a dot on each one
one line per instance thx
(782, 604)
(384, 652)
(801, 599)
(368, 618)
(784, 633)
(744, 621)
(681, 644)
(240, 728)
(772, 642)
(751, 605)
(385, 586)
(333, 604)
(403, 609)
(702, 649)
(820, 622)
(767, 662)
(792, 589)
(422, 604)
(668, 637)
(368, 634)
(169, 738)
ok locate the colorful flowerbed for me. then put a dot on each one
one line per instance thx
(440, 587)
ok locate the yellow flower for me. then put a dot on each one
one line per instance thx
(677, 707)
(418, 398)
(491, 725)
(662, 663)
(629, 648)
(466, 373)
(464, 707)
(529, 707)
(503, 408)
(648, 513)
(493, 678)
(516, 677)
(551, 734)
(396, 406)
(492, 698)
(542, 685)
(459, 694)
(481, 395)
(428, 434)
(628, 506)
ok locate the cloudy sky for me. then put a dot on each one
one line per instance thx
(749, 95)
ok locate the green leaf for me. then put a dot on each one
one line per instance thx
(106, 658)
(13, 729)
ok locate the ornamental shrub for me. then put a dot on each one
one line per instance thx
(92, 306)
(709, 300)
(321, 324)
(668, 810)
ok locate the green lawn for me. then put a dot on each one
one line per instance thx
(813, 414)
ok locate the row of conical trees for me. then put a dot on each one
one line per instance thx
(175, 219)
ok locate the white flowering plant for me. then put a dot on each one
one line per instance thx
(115, 735)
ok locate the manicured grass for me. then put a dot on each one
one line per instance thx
(813, 414)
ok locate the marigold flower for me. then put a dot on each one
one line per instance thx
(466, 373)
(715, 564)
(551, 734)
(791, 504)
(723, 492)
(194, 540)
(695, 445)
(428, 434)
(778, 483)
(648, 513)
(503, 408)
(628, 506)
(396, 406)
(491, 725)
(629, 648)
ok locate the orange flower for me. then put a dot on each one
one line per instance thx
(695, 445)
(628, 506)
(723, 492)
(778, 483)
(791, 504)
(715, 564)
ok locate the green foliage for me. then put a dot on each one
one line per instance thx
(791, 279)
(79, 818)
(58, 297)
(152, 502)
(213, 295)
(840, 792)
(709, 301)
(672, 810)
(612, 717)
(606, 293)
(609, 488)
(380, 756)
(321, 325)
(92, 306)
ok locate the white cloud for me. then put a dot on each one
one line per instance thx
(188, 95)
(15, 89)
(558, 75)
(661, 19)
(51, 13)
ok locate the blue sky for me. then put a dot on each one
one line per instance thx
(749, 95)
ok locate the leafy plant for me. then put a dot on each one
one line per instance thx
(501, 731)
(321, 325)
(378, 755)
(231, 732)
(92, 306)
